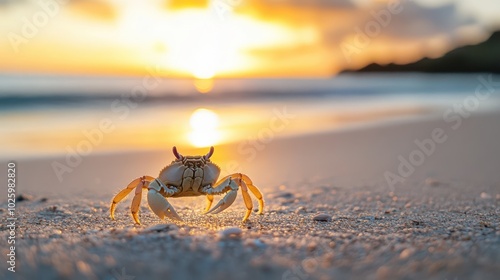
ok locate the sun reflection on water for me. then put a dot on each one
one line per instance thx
(204, 128)
(204, 85)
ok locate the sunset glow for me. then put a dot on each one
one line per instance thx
(227, 39)
(204, 128)
(202, 46)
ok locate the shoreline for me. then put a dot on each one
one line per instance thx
(341, 142)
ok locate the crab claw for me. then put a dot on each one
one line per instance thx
(160, 206)
(224, 203)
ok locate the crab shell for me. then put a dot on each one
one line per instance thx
(190, 173)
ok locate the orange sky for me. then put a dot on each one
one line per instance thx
(228, 38)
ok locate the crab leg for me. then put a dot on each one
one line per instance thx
(254, 190)
(232, 183)
(157, 202)
(228, 198)
(136, 184)
(246, 199)
(244, 179)
(210, 199)
(136, 202)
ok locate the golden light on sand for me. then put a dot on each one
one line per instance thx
(204, 128)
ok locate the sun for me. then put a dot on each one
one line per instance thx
(203, 47)
(197, 43)
(200, 54)
(204, 128)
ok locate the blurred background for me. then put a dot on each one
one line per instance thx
(309, 98)
(128, 75)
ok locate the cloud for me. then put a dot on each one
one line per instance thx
(313, 3)
(406, 32)
(94, 9)
(418, 22)
(5, 3)
(313, 34)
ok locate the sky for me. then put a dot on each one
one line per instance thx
(233, 38)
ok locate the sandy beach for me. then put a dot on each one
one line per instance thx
(440, 222)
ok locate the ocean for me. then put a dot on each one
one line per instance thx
(45, 115)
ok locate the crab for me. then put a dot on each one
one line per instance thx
(189, 176)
